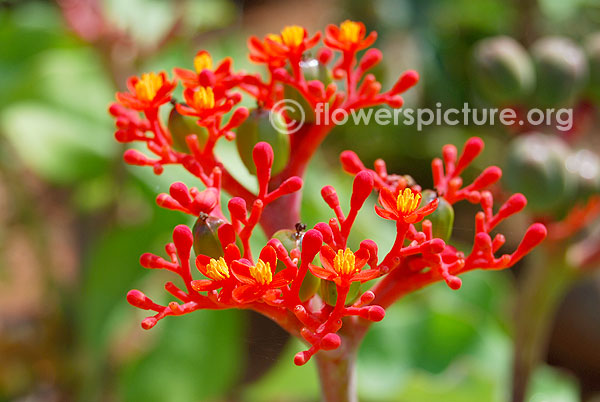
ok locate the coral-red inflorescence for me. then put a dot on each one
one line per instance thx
(275, 283)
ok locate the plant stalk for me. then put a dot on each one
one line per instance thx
(337, 372)
(544, 285)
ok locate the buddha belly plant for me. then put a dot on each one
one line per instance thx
(307, 281)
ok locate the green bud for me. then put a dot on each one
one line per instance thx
(181, 126)
(536, 167)
(328, 292)
(442, 219)
(584, 165)
(258, 127)
(592, 50)
(206, 239)
(561, 70)
(312, 70)
(502, 69)
(292, 239)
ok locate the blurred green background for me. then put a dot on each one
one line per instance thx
(74, 218)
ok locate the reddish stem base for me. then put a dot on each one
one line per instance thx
(337, 372)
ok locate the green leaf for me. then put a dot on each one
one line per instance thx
(57, 145)
(285, 379)
(197, 356)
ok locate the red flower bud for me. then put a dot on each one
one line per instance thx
(361, 189)
(139, 299)
(183, 240)
(237, 118)
(311, 244)
(152, 261)
(351, 163)
(535, 234)
(135, 157)
(149, 322)
(488, 177)
(237, 208)
(301, 358)
(513, 205)
(407, 80)
(324, 55)
(291, 185)
(371, 58)
(330, 341)
(262, 154)
(330, 197)
(166, 201)
(454, 282)
(180, 193)
(375, 313)
(325, 231)
(471, 150)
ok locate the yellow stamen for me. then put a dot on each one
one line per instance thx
(408, 201)
(217, 270)
(262, 272)
(274, 38)
(204, 98)
(344, 262)
(349, 31)
(148, 85)
(292, 36)
(203, 61)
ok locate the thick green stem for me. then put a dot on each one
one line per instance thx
(544, 285)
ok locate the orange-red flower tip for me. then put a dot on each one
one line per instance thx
(147, 92)
(343, 266)
(349, 36)
(203, 61)
(403, 206)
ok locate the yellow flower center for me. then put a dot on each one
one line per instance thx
(344, 262)
(217, 270)
(148, 85)
(292, 36)
(274, 38)
(408, 201)
(203, 61)
(262, 272)
(204, 98)
(349, 31)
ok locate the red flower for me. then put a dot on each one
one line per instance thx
(403, 207)
(217, 270)
(148, 92)
(260, 279)
(350, 36)
(291, 43)
(221, 78)
(343, 267)
(203, 103)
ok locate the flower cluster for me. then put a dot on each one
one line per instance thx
(308, 281)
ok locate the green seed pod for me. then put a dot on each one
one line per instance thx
(502, 70)
(584, 165)
(561, 70)
(536, 167)
(328, 292)
(290, 239)
(293, 239)
(258, 127)
(592, 50)
(312, 70)
(206, 240)
(442, 219)
(181, 126)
